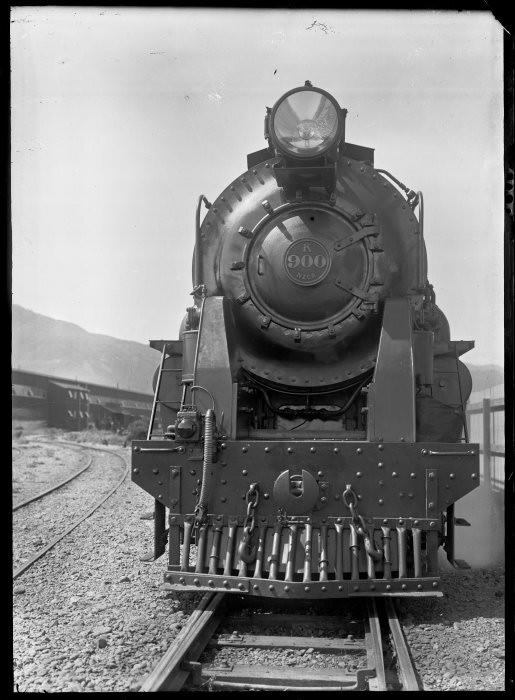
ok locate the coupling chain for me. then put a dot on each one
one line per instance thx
(358, 522)
(247, 551)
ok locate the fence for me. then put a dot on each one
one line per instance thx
(485, 424)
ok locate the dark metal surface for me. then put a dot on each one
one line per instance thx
(391, 414)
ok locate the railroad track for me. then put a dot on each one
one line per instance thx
(41, 552)
(51, 489)
(381, 638)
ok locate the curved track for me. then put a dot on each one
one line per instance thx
(180, 663)
(41, 553)
(53, 488)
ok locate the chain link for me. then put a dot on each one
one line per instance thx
(247, 551)
(252, 499)
(358, 522)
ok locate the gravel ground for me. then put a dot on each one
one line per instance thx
(37, 467)
(90, 616)
(41, 521)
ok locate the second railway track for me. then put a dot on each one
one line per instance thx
(70, 526)
(368, 653)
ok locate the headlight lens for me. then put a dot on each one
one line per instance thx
(306, 123)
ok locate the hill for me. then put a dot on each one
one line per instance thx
(484, 376)
(61, 349)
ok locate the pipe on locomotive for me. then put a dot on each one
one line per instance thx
(197, 264)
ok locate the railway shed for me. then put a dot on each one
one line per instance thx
(74, 404)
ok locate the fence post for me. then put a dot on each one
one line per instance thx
(486, 443)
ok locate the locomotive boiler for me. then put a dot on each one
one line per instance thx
(308, 435)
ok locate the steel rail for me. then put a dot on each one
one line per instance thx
(168, 674)
(406, 670)
(375, 647)
(53, 488)
(40, 553)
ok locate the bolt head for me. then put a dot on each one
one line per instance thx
(312, 449)
(424, 452)
(435, 584)
(380, 447)
(359, 451)
(355, 588)
(307, 589)
(168, 577)
(336, 450)
(394, 474)
(244, 449)
(289, 450)
(270, 587)
(474, 476)
(267, 449)
(432, 524)
(136, 471)
(210, 582)
(223, 445)
(452, 476)
(226, 583)
(403, 586)
(181, 579)
(388, 587)
(419, 586)
(196, 581)
(241, 586)
(286, 588)
(323, 589)
(155, 471)
(380, 501)
(416, 522)
(244, 472)
(380, 465)
(413, 475)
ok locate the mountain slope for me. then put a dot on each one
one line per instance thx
(47, 346)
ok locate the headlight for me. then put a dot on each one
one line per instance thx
(306, 122)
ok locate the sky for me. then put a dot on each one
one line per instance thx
(121, 117)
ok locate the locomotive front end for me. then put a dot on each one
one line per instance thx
(308, 435)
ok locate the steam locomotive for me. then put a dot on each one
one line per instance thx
(308, 435)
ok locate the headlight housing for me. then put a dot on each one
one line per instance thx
(306, 123)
